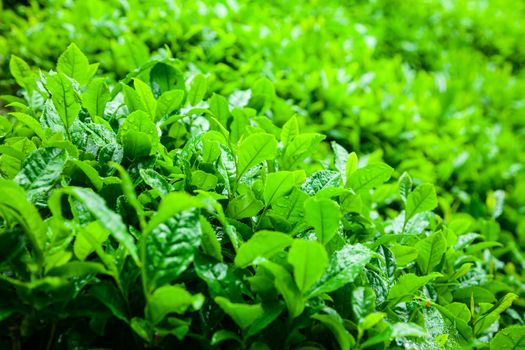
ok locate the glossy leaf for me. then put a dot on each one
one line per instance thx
(323, 214)
(253, 150)
(309, 260)
(262, 244)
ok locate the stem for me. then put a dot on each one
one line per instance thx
(51, 336)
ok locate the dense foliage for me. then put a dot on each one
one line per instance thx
(214, 175)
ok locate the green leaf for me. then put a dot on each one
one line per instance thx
(146, 97)
(285, 285)
(351, 166)
(510, 338)
(243, 314)
(22, 73)
(109, 295)
(139, 135)
(64, 97)
(108, 219)
(262, 96)
(96, 97)
(164, 77)
(340, 159)
(13, 199)
(309, 260)
(430, 251)
(75, 64)
(198, 88)
(40, 171)
(82, 246)
(132, 99)
(30, 122)
(369, 177)
(220, 108)
(300, 147)
(407, 285)
(253, 150)
(219, 277)
(336, 326)
(168, 248)
(262, 244)
(203, 180)
(171, 299)
(422, 199)
(155, 180)
(271, 312)
(404, 254)
(290, 130)
(323, 214)
(486, 320)
(224, 335)
(405, 186)
(244, 205)
(168, 102)
(363, 302)
(321, 180)
(344, 267)
(277, 185)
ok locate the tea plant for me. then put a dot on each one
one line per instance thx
(151, 211)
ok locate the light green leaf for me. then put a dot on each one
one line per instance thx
(405, 186)
(253, 150)
(262, 244)
(323, 214)
(203, 180)
(290, 130)
(321, 180)
(300, 147)
(164, 77)
(169, 248)
(404, 254)
(168, 102)
(407, 285)
(146, 97)
(220, 108)
(171, 299)
(277, 185)
(309, 260)
(74, 64)
(31, 122)
(262, 96)
(83, 246)
(243, 314)
(285, 285)
(22, 73)
(108, 219)
(510, 338)
(40, 171)
(363, 302)
(340, 159)
(486, 320)
(369, 177)
(139, 135)
(198, 88)
(64, 97)
(95, 98)
(13, 201)
(344, 267)
(430, 251)
(422, 199)
(351, 166)
(244, 205)
(155, 180)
